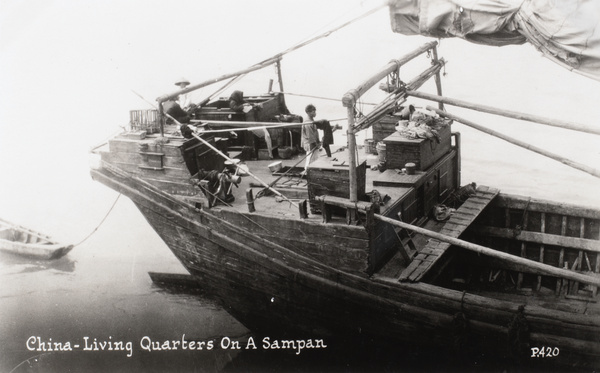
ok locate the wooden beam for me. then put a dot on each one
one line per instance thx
(517, 263)
(538, 283)
(532, 204)
(345, 203)
(205, 83)
(438, 79)
(352, 96)
(540, 238)
(398, 97)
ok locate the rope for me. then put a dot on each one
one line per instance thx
(101, 222)
(318, 97)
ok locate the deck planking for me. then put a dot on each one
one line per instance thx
(454, 227)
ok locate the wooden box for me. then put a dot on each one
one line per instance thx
(422, 152)
(385, 127)
(326, 177)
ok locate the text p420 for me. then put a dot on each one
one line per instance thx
(544, 352)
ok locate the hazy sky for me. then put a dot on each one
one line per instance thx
(68, 68)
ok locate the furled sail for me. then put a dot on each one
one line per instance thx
(566, 31)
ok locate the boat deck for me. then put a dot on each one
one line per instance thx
(294, 187)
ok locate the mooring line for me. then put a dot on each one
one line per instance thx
(101, 222)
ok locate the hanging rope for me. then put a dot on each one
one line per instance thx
(101, 222)
(317, 97)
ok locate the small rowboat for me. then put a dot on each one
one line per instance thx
(25, 242)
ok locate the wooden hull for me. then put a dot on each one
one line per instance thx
(275, 289)
(25, 242)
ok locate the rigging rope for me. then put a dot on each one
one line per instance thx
(327, 33)
(318, 97)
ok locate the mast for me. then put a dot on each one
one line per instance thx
(279, 77)
(352, 154)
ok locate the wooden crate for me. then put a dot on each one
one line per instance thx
(422, 152)
(385, 127)
(326, 178)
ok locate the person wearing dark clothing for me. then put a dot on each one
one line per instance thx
(322, 125)
(186, 131)
(236, 101)
(238, 104)
(172, 108)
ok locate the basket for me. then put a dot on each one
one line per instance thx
(275, 166)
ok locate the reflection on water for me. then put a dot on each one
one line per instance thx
(18, 264)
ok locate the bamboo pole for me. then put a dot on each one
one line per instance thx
(352, 155)
(205, 83)
(256, 125)
(506, 113)
(522, 263)
(512, 140)
(279, 76)
(352, 96)
(398, 97)
(438, 79)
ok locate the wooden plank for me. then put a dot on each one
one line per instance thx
(538, 284)
(350, 235)
(540, 238)
(454, 227)
(520, 274)
(523, 250)
(561, 256)
(521, 203)
(596, 269)
(403, 250)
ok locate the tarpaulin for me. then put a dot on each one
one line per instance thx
(565, 31)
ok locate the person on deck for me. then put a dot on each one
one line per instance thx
(238, 104)
(183, 100)
(324, 126)
(310, 134)
(174, 110)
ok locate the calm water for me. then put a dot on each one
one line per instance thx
(101, 290)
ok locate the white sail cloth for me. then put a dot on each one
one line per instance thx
(565, 31)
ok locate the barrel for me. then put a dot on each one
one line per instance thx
(381, 152)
